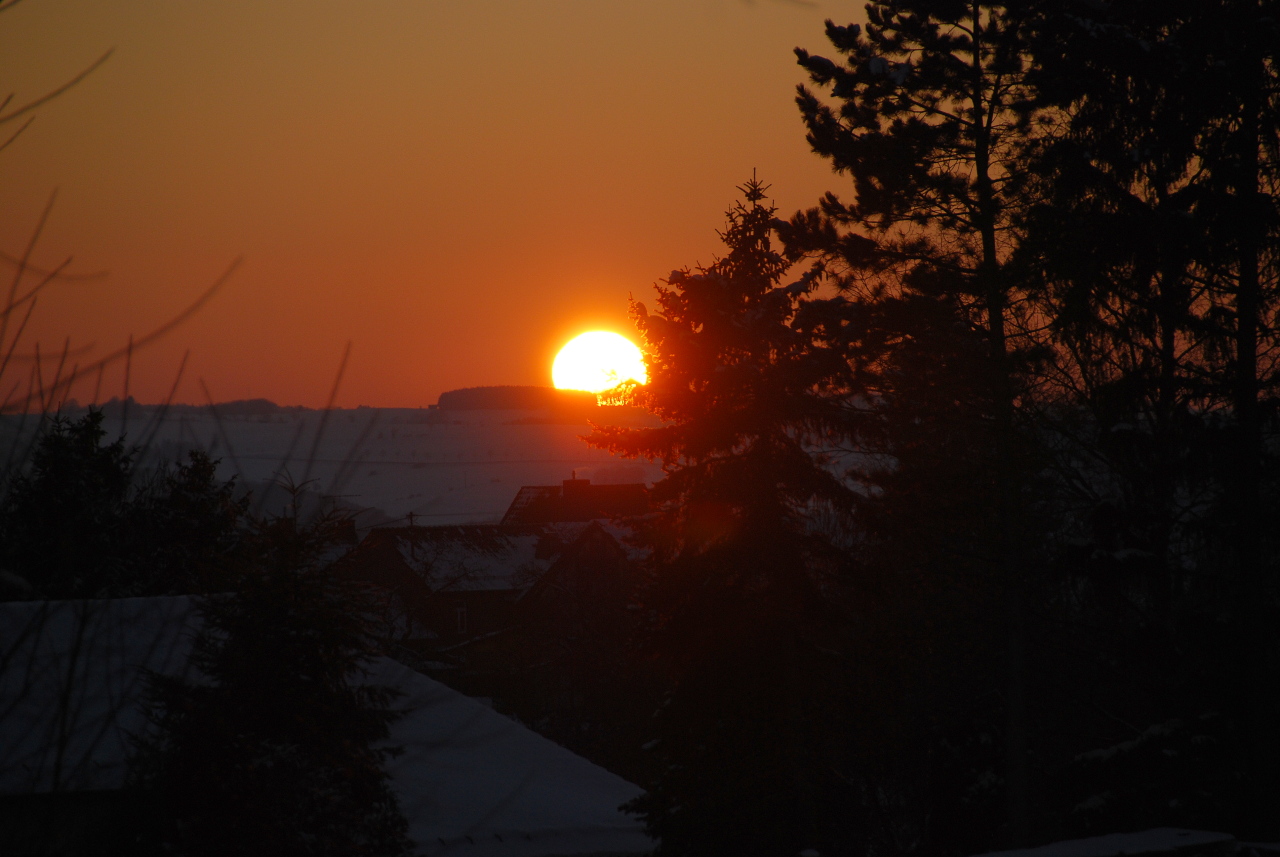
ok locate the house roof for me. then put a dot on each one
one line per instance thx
(471, 782)
(71, 680)
(528, 500)
(468, 558)
(575, 500)
(478, 557)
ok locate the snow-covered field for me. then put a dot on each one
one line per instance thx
(443, 467)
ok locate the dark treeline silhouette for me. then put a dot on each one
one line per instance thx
(513, 398)
(967, 534)
(273, 743)
(81, 520)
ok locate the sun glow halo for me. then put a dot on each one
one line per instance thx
(597, 361)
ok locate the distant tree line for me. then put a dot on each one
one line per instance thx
(968, 533)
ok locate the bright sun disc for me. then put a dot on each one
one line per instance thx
(597, 361)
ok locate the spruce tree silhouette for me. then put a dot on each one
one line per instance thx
(933, 107)
(82, 521)
(1060, 264)
(61, 520)
(741, 585)
(273, 748)
(1154, 231)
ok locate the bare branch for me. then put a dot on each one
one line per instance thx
(324, 417)
(49, 96)
(44, 272)
(16, 337)
(22, 264)
(16, 134)
(156, 334)
(217, 419)
(14, 303)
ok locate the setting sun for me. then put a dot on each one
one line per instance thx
(597, 361)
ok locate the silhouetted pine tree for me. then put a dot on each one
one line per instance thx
(744, 587)
(81, 521)
(60, 525)
(929, 664)
(1240, 59)
(931, 111)
(1155, 238)
(1060, 265)
(272, 748)
(184, 527)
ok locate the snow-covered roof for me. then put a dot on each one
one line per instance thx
(471, 558)
(476, 783)
(472, 782)
(71, 682)
(624, 535)
(575, 500)
(1161, 840)
(529, 496)
(568, 531)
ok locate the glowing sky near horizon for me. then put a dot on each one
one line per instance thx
(456, 188)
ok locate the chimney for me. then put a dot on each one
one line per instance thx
(574, 489)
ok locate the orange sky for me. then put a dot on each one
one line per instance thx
(455, 187)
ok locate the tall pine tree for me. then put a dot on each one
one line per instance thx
(1156, 238)
(929, 113)
(743, 583)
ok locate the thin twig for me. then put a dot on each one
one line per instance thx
(165, 328)
(16, 337)
(49, 96)
(22, 263)
(124, 400)
(47, 278)
(324, 417)
(9, 398)
(347, 465)
(57, 376)
(158, 420)
(283, 469)
(35, 435)
(44, 272)
(39, 379)
(16, 134)
(217, 420)
(66, 393)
